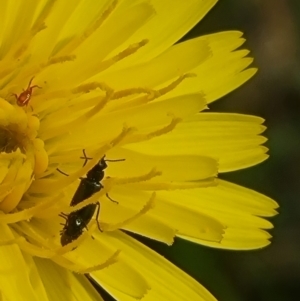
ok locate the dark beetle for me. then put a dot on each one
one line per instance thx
(78, 220)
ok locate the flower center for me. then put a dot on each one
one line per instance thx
(22, 153)
(8, 141)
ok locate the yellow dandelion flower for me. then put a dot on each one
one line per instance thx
(108, 125)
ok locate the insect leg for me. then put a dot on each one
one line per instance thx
(63, 215)
(97, 216)
(111, 199)
(62, 172)
(85, 157)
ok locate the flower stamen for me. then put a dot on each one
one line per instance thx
(209, 182)
(175, 83)
(64, 128)
(159, 132)
(151, 94)
(124, 181)
(131, 49)
(86, 88)
(61, 59)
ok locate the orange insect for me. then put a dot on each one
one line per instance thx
(24, 98)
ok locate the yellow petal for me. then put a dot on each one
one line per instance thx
(194, 223)
(63, 285)
(110, 35)
(218, 68)
(233, 139)
(178, 217)
(119, 275)
(158, 271)
(173, 168)
(158, 113)
(238, 208)
(152, 227)
(19, 278)
(111, 81)
(172, 21)
(177, 60)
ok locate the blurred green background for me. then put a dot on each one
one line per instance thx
(271, 28)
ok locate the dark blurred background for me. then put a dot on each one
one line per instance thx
(272, 30)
